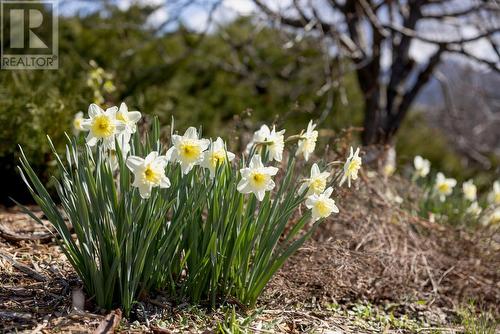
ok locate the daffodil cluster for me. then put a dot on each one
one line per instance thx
(188, 150)
(459, 205)
(188, 217)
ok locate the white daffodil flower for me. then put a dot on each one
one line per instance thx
(422, 166)
(259, 136)
(102, 125)
(216, 155)
(187, 149)
(351, 167)
(443, 186)
(474, 209)
(274, 141)
(470, 190)
(307, 142)
(77, 123)
(148, 172)
(256, 178)
(494, 195)
(321, 205)
(493, 218)
(129, 118)
(316, 183)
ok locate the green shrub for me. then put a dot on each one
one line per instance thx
(164, 75)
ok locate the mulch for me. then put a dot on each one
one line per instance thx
(379, 252)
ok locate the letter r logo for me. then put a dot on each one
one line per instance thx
(18, 25)
(29, 32)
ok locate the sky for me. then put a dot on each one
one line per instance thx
(193, 16)
(196, 17)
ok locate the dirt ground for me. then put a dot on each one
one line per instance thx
(374, 258)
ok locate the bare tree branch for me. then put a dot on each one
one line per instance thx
(389, 90)
(463, 12)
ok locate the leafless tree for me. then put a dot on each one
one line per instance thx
(376, 36)
(474, 134)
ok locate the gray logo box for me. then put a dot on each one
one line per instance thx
(29, 35)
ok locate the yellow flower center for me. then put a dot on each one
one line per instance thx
(151, 175)
(77, 123)
(317, 185)
(322, 209)
(354, 165)
(190, 151)
(102, 126)
(443, 188)
(217, 158)
(497, 198)
(258, 179)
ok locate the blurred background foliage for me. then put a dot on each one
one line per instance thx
(198, 79)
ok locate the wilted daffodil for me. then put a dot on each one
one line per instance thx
(470, 190)
(216, 155)
(256, 178)
(444, 186)
(148, 173)
(187, 149)
(129, 118)
(316, 183)
(494, 195)
(307, 141)
(77, 123)
(422, 166)
(351, 167)
(321, 205)
(102, 125)
(272, 139)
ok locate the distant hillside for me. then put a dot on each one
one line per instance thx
(463, 78)
(465, 105)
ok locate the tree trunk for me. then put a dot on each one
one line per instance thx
(371, 125)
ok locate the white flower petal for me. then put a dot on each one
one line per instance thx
(328, 192)
(134, 116)
(260, 195)
(91, 140)
(123, 108)
(242, 186)
(256, 162)
(94, 110)
(151, 157)
(134, 163)
(191, 133)
(145, 190)
(86, 123)
(165, 182)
